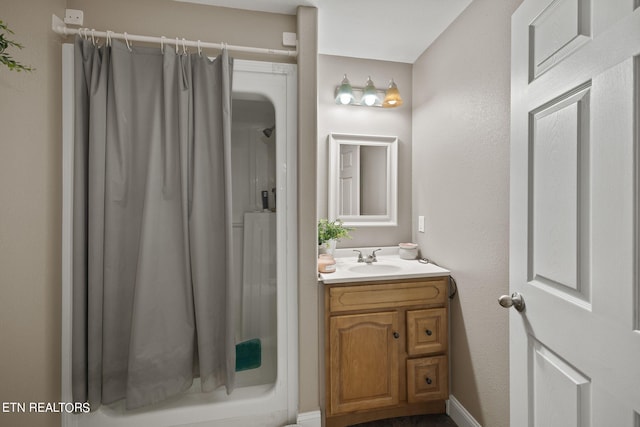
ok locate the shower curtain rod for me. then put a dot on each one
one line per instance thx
(58, 26)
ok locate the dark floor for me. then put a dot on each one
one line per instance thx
(438, 420)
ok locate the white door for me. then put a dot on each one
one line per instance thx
(574, 248)
(349, 180)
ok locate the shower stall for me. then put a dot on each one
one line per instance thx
(265, 258)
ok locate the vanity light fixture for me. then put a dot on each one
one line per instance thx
(367, 96)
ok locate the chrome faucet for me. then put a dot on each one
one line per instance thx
(369, 258)
(372, 256)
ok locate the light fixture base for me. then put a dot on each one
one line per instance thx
(357, 97)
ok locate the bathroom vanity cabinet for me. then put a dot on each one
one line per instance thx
(386, 346)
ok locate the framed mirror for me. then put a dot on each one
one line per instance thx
(363, 179)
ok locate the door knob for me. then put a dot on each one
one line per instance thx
(514, 300)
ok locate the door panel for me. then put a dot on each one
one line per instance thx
(559, 191)
(561, 394)
(574, 242)
(561, 28)
(615, 211)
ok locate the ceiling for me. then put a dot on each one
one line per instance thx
(387, 30)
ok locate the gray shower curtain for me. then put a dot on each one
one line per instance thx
(152, 277)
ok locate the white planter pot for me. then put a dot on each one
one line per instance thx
(327, 247)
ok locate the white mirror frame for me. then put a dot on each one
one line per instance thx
(391, 145)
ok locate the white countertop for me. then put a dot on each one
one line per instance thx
(388, 267)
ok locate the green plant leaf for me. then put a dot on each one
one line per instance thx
(328, 230)
(5, 43)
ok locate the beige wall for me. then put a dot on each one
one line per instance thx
(368, 121)
(30, 203)
(307, 235)
(461, 186)
(192, 21)
(30, 176)
(460, 173)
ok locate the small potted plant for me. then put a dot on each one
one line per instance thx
(329, 232)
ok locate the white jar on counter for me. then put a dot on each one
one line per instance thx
(408, 250)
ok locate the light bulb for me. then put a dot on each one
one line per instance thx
(345, 98)
(369, 99)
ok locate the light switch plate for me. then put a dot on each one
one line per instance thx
(421, 223)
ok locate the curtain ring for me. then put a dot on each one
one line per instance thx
(93, 36)
(184, 46)
(109, 38)
(199, 49)
(126, 39)
(162, 43)
(177, 44)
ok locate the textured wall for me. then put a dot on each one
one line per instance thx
(30, 203)
(192, 21)
(367, 121)
(30, 171)
(461, 185)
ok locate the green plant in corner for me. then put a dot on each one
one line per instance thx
(6, 43)
(331, 230)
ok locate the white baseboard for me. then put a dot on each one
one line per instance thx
(459, 414)
(310, 419)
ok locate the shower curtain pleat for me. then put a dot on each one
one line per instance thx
(211, 210)
(150, 212)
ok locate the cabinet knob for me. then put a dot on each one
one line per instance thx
(429, 380)
(396, 335)
(428, 332)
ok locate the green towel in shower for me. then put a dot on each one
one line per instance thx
(248, 355)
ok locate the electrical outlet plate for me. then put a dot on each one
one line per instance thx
(73, 17)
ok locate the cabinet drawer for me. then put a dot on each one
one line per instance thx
(389, 295)
(426, 331)
(427, 379)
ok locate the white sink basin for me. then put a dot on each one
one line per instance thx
(388, 267)
(374, 268)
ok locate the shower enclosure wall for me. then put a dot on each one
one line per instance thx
(264, 230)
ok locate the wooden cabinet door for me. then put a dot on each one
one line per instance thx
(363, 361)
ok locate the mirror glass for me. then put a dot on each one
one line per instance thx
(362, 179)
